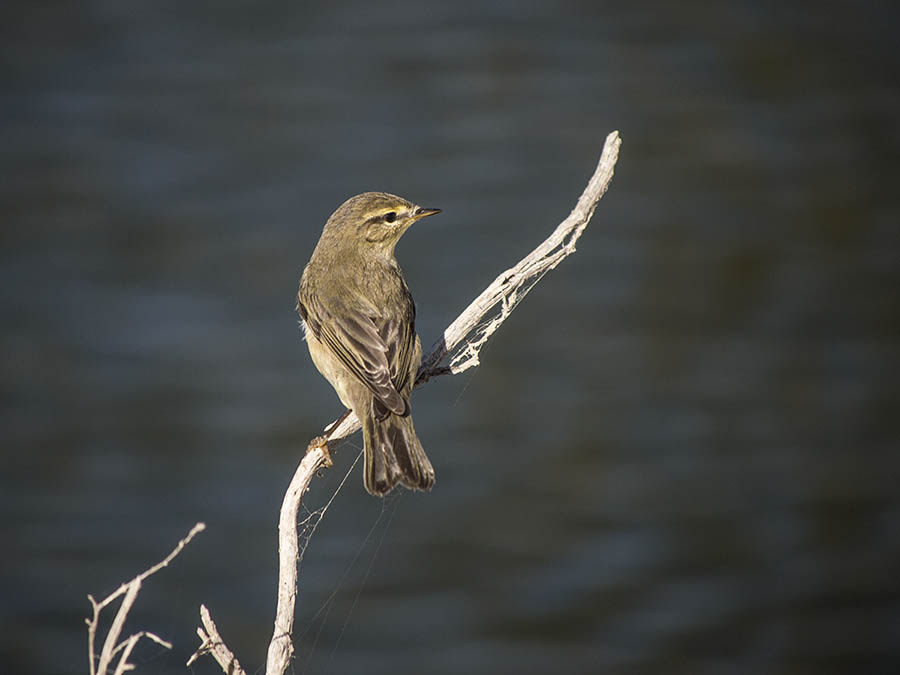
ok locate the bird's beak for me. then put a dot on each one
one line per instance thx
(422, 212)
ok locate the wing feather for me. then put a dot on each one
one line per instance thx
(357, 342)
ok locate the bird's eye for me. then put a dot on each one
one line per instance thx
(390, 217)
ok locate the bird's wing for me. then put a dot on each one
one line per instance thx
(354, 339)
(399, 335)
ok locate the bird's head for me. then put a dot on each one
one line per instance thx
(375, 219)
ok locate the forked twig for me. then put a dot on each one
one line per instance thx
(111, 645)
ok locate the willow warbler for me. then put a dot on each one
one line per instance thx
(359, 320)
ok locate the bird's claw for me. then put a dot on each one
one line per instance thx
(321, 442)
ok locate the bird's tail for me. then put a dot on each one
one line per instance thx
(394, 455)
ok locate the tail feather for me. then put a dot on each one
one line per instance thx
(394, 456)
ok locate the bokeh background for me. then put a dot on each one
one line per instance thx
(680, 454)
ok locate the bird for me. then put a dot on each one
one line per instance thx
(358, 317)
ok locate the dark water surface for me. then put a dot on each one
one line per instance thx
(680, 454)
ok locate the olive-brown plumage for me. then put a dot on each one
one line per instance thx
(359, 319)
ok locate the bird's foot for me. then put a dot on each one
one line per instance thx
(321, 442)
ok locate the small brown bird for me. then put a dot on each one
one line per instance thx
(359, 319)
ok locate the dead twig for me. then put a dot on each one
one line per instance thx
(111, 645)
(456, 351)
(211, 643)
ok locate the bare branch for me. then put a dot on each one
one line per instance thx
(212, 643)
(281, 648)
(464, 338)
(111, 645)
(459, 346)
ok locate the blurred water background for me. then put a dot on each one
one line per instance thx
(680, 454)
